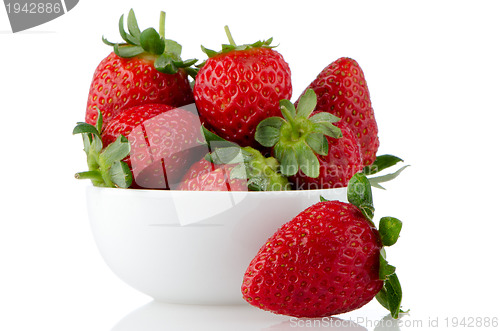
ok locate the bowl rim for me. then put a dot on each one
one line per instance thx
(157, 192)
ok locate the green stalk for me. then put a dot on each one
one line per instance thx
(106, 176)
(290, 120)
(162, 25)
(92, 174)
(229, 36)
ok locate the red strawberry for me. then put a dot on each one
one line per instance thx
(146, 69)
(342, 90)
(325, 261)
(239, 87)
(147, 146)
(338, 166)
(309, 147)
(207, 176)
(162, 139)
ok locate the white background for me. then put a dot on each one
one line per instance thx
(432, 68)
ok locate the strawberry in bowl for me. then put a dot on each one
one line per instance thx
(145, 68)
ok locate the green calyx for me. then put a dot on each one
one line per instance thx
(359, 194)
(106, 168)
(151, 44)
(232, 46)
(383, 162)
(262, 173)
(298, 138)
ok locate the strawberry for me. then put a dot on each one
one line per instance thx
(230, 167)
(338, 166)
(147, 68)
(162, 138)
(240, 86)
(328, 260)
(309, 147)
(342, 91)
(207, 176)
(162, 142)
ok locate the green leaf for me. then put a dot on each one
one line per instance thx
(389, 229)
(165, 64)
(173, 48)
(127, 51)
(232, 46)
(228, 48)
(307, 104)
(239, 172)
(87, 142)
(133, 28)
(192, 72)
(120, 174)
(382, 252)
(375, 181)
(390, 296)
(328, 129)
(368, 211)
(268, 131)
(210, 136)
(82, 127)
(127, 37)
(227, 155)
(385, 269)
(152, 42)
(114, 152)
(214, 141)
(324, 117)
(308, 161)
(107, 42)
(209, 52)
(377, 186)
(96, 145)
(381, 162)
(289, 163)
(359, 193)
(186, 63)
(262, 172)
(318, 143)
(267, 136)
(99, 121)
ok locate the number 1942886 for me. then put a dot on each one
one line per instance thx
(34, 8)
(472, 322)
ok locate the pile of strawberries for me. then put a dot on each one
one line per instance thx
(155, 121)
(145, 95)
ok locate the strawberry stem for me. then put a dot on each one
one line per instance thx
(229, 36)
(93, 175)
(162, 25)
(298, 137)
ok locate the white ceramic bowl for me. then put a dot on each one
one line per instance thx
(189, 246)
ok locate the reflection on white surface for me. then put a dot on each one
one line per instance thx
(326, 323)
(388, 324)
(156, 316)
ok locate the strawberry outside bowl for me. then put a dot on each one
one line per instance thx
(190, 247)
